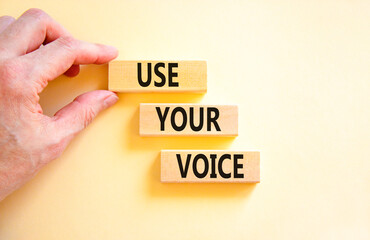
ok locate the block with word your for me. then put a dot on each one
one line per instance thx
(168, 119)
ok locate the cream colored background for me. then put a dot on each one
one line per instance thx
(299, 71)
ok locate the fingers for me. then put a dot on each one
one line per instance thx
(78, 114)
(5, 21)
(55, 58)
(28, 32)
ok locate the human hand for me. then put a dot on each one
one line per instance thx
(34, 49)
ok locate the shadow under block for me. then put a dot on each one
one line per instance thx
(210, 166)
(165, 119)
(158, 76)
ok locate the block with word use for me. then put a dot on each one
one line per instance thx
(210, 166)
(168, 119)
(158, 76)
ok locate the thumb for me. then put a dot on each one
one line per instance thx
(74, 117)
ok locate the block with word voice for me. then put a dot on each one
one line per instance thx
(158, 76)
(210, 166)
(165, 119)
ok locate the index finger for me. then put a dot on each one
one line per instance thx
(55, 58)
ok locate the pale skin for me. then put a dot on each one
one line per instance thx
(35, 49)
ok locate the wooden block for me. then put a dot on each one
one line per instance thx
(164, 76)
(158, 119)
(210, 166)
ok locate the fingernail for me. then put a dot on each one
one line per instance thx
(113, 49)
(110, 100)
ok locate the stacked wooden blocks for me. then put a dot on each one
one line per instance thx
(158, 119)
